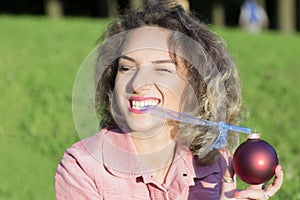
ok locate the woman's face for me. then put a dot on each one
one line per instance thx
(147, 77)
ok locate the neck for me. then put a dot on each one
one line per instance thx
(157, 152)
(155, 142)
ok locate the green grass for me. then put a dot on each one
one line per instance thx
(38, 65)
(270, 68)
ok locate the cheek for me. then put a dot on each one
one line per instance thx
(120, 84)
(119, 90)
(174, 84)
(173, 96)
(177, 88)
(173, 101)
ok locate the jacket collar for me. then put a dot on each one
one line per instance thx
(115, 149)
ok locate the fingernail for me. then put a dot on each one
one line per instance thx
(279, 168)
(237, 194)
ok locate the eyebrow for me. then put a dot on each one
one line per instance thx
(162, 61)
(154, 61)
(127, 58)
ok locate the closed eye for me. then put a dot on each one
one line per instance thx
(124, 68)
(163, 69)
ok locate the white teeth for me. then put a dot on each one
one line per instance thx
(140, 105)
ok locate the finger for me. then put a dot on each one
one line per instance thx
(227, 161)
(228, 179)
(256, 187)
(254, 191)
(229, 172)
(228, 188)
(251, 194)
(277, 183)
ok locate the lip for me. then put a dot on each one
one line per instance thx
(143, 100)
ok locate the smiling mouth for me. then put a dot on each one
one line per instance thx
(142, 105)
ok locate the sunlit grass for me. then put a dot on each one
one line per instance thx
(269, 66)
(38, 65)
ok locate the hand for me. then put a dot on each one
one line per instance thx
(256, 191)
(229, 191)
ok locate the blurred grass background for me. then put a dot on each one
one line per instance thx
(39, 61)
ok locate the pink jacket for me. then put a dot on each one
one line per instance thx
(106, 166)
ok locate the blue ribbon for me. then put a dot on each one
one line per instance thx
(222, 138)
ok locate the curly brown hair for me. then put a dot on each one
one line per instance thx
(214, 81)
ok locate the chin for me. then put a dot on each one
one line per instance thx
(146, 130)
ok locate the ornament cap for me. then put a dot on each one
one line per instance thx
(253, 136)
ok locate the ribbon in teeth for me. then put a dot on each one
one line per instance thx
(220, 142)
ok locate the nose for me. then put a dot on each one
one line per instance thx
(141, 80)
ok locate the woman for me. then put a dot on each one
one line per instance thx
(159, 57)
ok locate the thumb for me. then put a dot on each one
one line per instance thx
(229, 183)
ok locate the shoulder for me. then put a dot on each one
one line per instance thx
(78, 169)
(92, 147)
(81, 151)
(83, 147)
(82, 158)
(90, 150)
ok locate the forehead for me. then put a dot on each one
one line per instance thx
(147, 37)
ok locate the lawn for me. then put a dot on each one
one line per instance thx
(38, 66)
